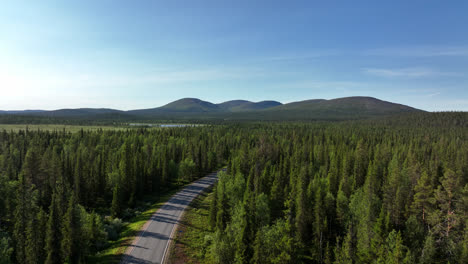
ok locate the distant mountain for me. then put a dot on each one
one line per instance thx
(347, 108)
(354, 104)
(182, 106)
(194, 105)
(243, 105)
(356, 107)
(26, 112)
(190, 105)
(78, 112)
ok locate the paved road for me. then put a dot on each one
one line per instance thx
(151, 244)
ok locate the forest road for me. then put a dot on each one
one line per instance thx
(151, 245)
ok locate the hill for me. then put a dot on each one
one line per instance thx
(354, 104)
(78, 112)
(21, 111)
(185, 105)
(347, 108)
(243, 105)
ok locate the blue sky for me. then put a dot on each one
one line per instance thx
(141, 54)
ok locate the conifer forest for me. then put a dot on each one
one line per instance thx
(373, 191)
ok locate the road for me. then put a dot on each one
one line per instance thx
(152, 243)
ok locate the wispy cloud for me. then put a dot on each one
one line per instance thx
(407, 72)
(433, 94)
(420, 51)
(300, 56)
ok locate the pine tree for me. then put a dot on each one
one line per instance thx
(22, 217)
(36, 238)
(53, 234)
(344, 252)
(446, 194)
(396, 251)
(5, 248)
(31, 168)
(213, 208)
(77, 178)
(423, 200)
(464, 245)
(116, 204)
(429, 250)
(72, 233)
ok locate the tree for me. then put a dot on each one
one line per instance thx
(53, 234)
(116, 206)
(396, 251)
(423, 200)
(93, 234)
(5, 248)
(273, 244)
(344, 252)
(24, 204)
(187, 170)
(464, 246)
(71, 244)
(429, 250)
(36, 237)
(446, 193)
(213, 208)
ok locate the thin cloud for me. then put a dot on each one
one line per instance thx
(407, 72)
(421, 51)
(433, 94)
(300, 56)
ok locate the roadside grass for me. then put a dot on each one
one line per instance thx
(113, 254)
(116, 249)
(193, 237)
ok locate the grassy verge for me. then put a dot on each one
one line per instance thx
(116, 249)
(193, 234)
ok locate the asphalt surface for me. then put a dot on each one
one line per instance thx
(152, 243)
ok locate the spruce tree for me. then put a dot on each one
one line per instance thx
(423, 200)
(53, 234)
(72, 233)
(116, 206)
(22, 217)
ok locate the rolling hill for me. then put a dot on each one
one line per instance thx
(79, 112)
(243, 106)
(185, 105)
(347, 108)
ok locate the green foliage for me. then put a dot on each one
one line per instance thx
(351, 192)
(72, 234)
(273, 244)
(187, 170)
(429, 250)
(6, 249)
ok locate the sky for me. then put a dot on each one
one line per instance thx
(143, 54)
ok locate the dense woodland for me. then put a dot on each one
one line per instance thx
(353, 192)
(63, 195)
(345, 193)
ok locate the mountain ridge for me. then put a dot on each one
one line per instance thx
(354, 107)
